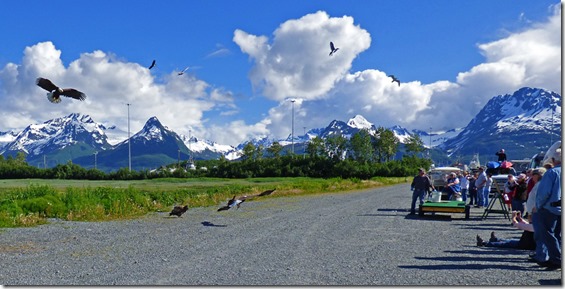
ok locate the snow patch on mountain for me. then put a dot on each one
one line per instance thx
(359, 122)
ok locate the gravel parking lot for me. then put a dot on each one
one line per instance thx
(347, 239)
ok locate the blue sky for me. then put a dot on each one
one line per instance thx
(247, 58)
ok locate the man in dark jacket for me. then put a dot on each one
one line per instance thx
(420, 186)
(501, 155)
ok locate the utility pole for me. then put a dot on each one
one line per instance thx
(189, 148)
(304, 145)
(292, 132)
(430, 150)
(551, 128)
(129, 142)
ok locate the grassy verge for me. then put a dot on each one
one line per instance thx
(31, 202)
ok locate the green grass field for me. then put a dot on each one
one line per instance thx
(30, 202)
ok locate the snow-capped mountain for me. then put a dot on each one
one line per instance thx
(6, 138)
(58, 134)
(434, 139)
(523, 123)
(198, 145)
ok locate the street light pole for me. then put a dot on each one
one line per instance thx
(129, 142)
(292, 132)
(430, 149)
(551, 128)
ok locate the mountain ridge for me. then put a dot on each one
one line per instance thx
(523, 115)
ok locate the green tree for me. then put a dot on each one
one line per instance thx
(385, 144)
(275, 149)
(336, 145)
(414, 144)
(360, 146)
(316, 147)
(248, 152)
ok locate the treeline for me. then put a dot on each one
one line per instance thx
(362, 156)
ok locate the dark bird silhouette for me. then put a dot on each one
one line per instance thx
(152, 64)
(266, 193)
(333, 49)
(55, 92)
(394, 79)
(233, 203)
(210, 224)
(182, 72)
(178, 211)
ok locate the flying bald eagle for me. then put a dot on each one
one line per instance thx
(233, 202)
(332, 48)
(178, 211)
(152, 64)
(394, 79)
(182, 72)
(55, 92)
(266, 193)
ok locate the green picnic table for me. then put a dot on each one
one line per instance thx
(445, 207)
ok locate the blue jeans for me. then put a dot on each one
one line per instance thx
(482, 197)
(415, 195)
(504, 243)
(551, 234)
(464, 194)
(486, 191)
(541, 249)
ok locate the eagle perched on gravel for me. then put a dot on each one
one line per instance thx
(55, 92)
(178, 211)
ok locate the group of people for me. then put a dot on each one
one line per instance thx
(476, 186)
(536, 196)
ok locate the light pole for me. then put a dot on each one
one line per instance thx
(95, 153)
(304, 144)
(189, 149)
(129, 142)
(430, 149)
(551, 128)
(292, 132)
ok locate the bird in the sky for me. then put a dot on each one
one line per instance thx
(178, 211)
(266, 193)
(152, 64)
(233, 203)
(182, 72)
(333, 49)
(55, 92)
(394, 79)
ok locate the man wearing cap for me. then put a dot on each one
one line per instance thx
(419, 186)
(501, 155)
(480, 183)
(548, 211)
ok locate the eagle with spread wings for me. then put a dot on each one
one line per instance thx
(55, 92)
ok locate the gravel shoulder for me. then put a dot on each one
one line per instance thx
(354, 238)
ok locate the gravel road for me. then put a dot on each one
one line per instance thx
(354, 238)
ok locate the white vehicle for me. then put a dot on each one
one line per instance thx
(439, 177)
(551, 152)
